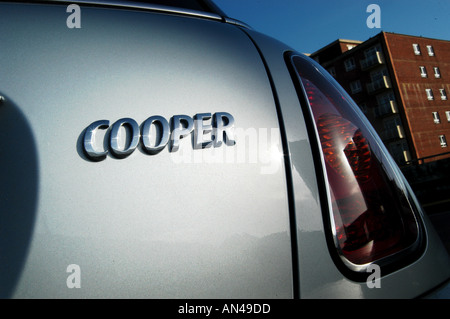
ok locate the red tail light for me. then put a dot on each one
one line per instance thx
(371, 214)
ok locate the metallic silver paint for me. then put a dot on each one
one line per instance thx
(147, 7)
(146, 226)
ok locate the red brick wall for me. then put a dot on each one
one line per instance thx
(418, 109)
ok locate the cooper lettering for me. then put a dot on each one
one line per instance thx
(156, 132)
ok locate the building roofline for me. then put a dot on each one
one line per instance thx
(371, 38)
(416, 36)
(334, 42)
(363, 45)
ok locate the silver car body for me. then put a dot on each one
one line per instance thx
(234, 221)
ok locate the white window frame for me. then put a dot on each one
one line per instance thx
(443, 140)
(430, 95)
(447, 114)
(437, 72)
(436, 117)
(430, 50)
(443, 94)
(416, 49)
(423, 71)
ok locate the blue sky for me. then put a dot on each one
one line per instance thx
(309, 25)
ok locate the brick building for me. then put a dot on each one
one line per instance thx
(401, 83)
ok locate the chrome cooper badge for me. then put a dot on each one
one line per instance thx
(164, 133)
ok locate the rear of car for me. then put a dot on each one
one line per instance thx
(172, 152)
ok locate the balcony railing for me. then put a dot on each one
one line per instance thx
(376, 59)
(406, 156)
(380, 84)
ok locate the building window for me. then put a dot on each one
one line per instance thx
(447, 114)
(349, 64)
(332, 71)
(385, 98)
(416, 48)
(355, 86)
(437, 72)
(372, 51)
(423, 71)
(430, 95)
(386, 104)
(443, 140)
(378, 74)
(443, 94)
(393, 129)
(430, 50)
(400, 152)
(436, 118)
